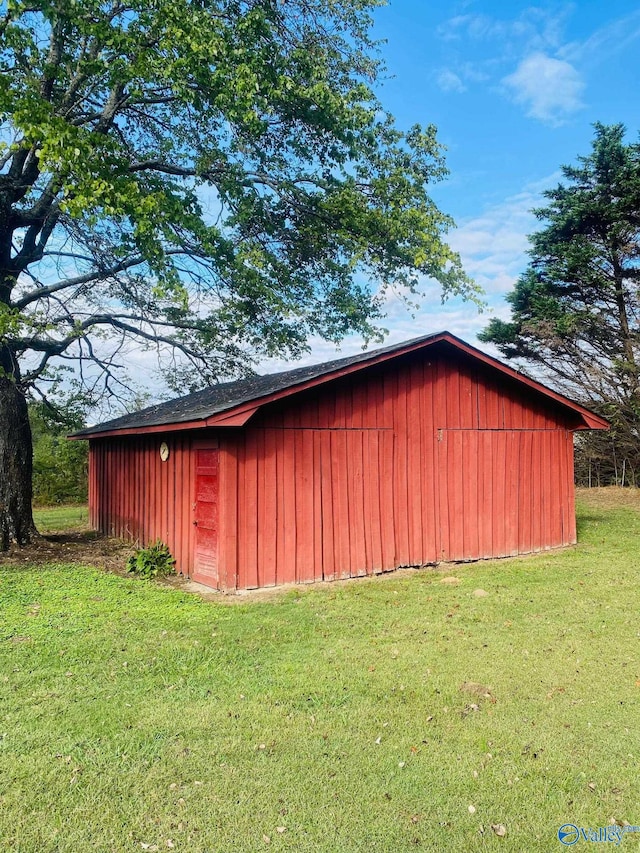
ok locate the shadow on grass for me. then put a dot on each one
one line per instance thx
(73, 537)
(584, 521)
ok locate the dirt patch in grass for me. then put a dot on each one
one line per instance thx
(74, 546)
(610, 497)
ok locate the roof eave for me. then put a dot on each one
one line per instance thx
(240, 414)
(593, 421)
(234, 418)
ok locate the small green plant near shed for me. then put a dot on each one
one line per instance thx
(154, 561)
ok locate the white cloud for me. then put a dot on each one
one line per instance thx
(533, 29)
(465, 74)
(545, 80)
(473, 26)
(473, 73)
(550, 89)
(604, 42)
(493, 246)
(448, 81)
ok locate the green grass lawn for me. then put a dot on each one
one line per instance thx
(53, 519)
(336, 718)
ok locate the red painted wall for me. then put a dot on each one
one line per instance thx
(134, 495)
(429, 457)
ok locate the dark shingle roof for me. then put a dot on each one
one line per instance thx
(227, 395)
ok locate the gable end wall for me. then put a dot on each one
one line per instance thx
(429, 457)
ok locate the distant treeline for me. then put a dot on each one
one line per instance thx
(59, 466)
(603, 459)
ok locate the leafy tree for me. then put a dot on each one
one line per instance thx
(214, 178)
(59, 465)
(575, 310)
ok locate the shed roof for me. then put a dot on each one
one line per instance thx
(233, 403)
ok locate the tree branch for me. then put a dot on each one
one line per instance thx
(160, 166)
(116, 99)
(95, 275)
(53, 61)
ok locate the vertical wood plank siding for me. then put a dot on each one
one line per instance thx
(425, 459)
(429, 457)
(137, 497)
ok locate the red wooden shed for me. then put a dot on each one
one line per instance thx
(417, 453)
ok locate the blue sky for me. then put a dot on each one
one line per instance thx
(514, 90)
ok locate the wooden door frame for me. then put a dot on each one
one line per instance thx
(211, 443)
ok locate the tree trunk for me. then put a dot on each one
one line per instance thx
(16, 463)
